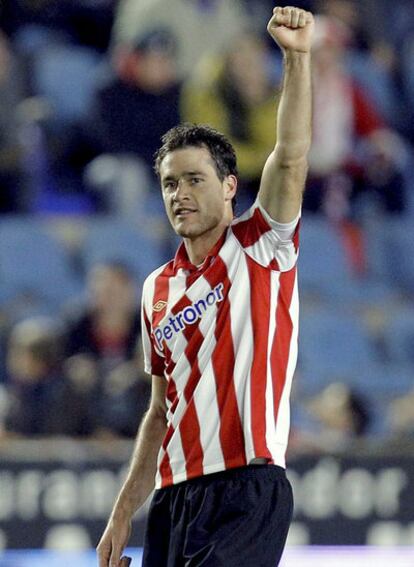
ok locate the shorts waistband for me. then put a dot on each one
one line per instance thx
(266, 472)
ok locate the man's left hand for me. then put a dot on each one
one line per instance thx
(292, 29)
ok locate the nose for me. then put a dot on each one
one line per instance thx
(181, 190)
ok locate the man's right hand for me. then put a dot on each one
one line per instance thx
(113, 541)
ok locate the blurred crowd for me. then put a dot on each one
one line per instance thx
(81, 375)
(88, 87)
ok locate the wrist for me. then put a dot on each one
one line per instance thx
(125, 507)
(295, 54)
(297, 61)
(122, 512)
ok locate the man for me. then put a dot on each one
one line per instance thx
(198, 26)
(144, 85)
(220, 334)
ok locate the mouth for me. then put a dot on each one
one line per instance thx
(184, 212)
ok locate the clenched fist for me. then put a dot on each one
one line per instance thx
(292, 28)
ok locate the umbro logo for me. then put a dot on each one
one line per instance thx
(159, 306)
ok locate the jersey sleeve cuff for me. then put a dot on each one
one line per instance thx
(284, 230)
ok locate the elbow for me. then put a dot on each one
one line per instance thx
(292, 155)
(157, 414)
(292, 161)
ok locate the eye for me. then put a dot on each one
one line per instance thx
(169, 185)
(195, 180)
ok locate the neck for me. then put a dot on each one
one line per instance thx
(115, 318)
(198, 248)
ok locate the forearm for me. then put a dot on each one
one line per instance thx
(140, 479)
(295, 108)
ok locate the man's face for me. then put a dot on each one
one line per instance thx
(195, 198)
(155, 71)
(111, 290)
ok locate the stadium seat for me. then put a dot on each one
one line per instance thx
(408, 66)
(323, 268)
(390, 380)
(334, 343)
(399, 337)
(33, 263)
(397, 244)
(66, 76)
(335, 346)
(375, 81)
(325, 271)
(114, 239)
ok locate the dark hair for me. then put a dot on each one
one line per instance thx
(360, 414)
(41, 337)
(199, 136)
(120, 267)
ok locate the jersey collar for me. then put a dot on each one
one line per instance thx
(181, 260)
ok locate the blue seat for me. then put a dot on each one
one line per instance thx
(323, 267)
(376, 82)
(399, 337)
(32, 262)
(334, 343)
(379, 382)
(392, 379)
(114, 239)
(66, 76)
(408, 66)
(380, 385)
(397, 242)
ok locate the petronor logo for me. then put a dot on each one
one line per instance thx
(187, 316)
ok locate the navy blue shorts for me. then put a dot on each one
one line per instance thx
(234, 518)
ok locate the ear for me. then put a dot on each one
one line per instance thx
(230, 187)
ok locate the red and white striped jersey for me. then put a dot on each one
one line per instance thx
(224, 335)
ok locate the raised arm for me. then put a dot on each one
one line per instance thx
(140, 479)
(284, 173)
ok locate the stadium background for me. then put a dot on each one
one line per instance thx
(86, 89)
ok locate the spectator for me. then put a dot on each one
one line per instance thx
(401, 416)
(40, 399)
(375, 59)
(117, 399)
(106, 330)
(132, 111)
(349, 13)
(141, 101)
(17, 13)
(330, 420)
(198, 26)
(11, 94)
(84, 22)
(234, 93)
(124, 400)
(343, 117)
(103, 346)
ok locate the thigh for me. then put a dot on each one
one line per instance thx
(158, 531)
(241, 521)
(166, 527)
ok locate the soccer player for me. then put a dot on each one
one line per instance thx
(220, 340)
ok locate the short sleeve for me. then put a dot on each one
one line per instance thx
(268, 242)
(153, 360)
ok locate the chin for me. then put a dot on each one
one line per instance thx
(192, 231)
(187, 232)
